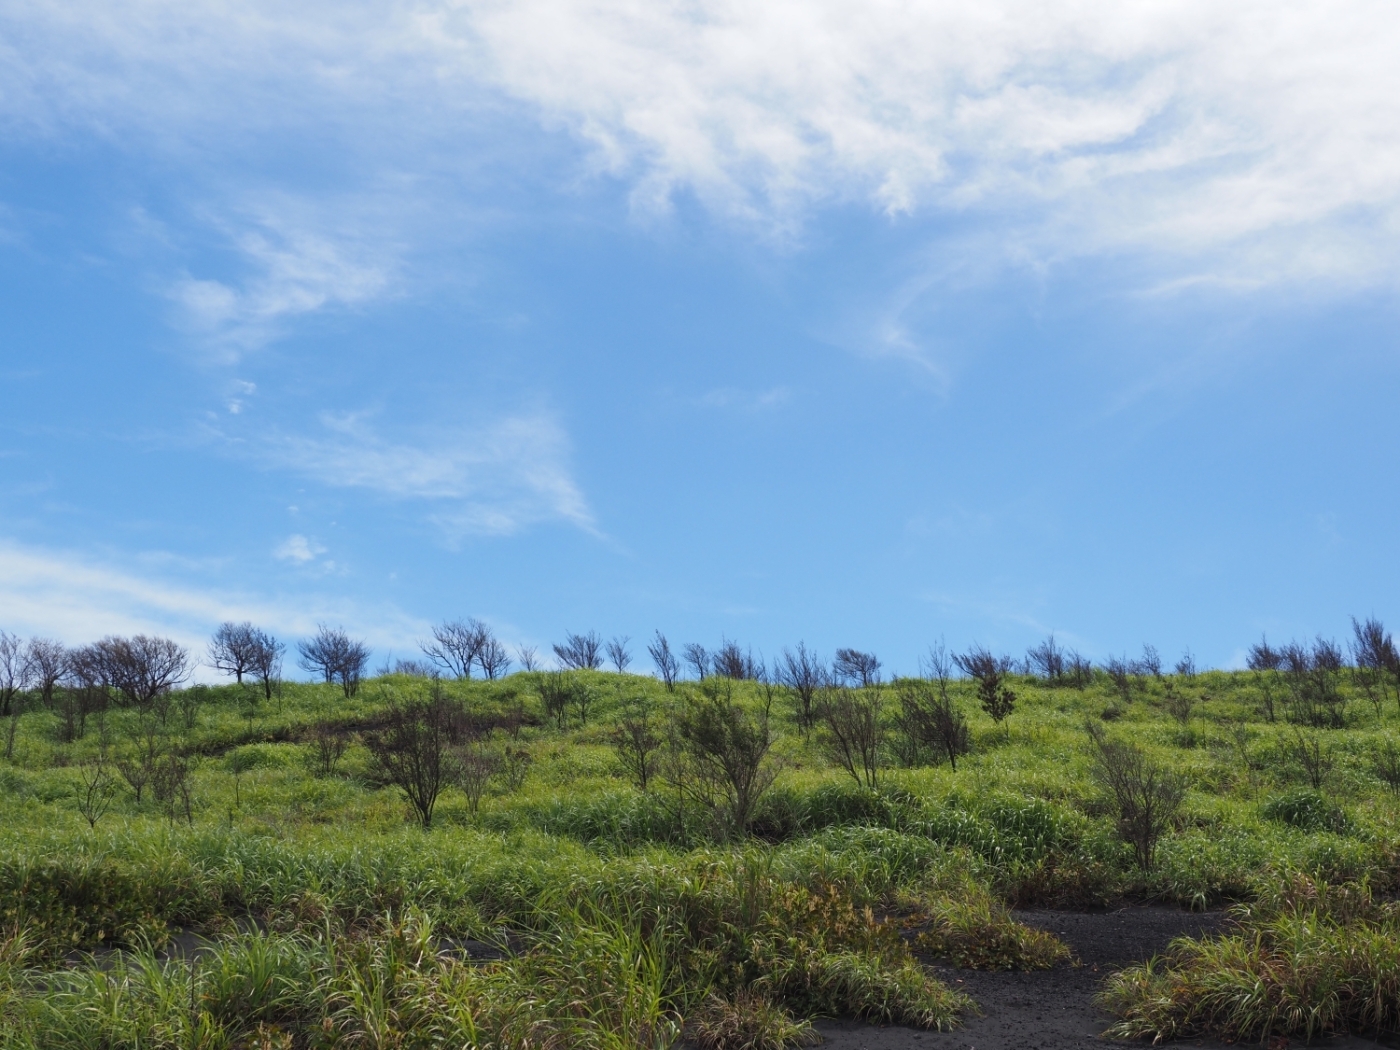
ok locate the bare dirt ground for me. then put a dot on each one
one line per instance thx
(1052, 1009)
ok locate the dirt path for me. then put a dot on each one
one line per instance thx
(1050, 1009)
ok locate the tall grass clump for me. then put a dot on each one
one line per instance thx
(1307, 960)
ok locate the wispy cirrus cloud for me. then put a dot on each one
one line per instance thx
(1239, 145)
(78, 598)
(290, 265)
(496, 479)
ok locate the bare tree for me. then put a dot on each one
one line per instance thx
(729, 661)
(991, 674)
(1079, 670)
(15, 671)
(556, 695)
(929, 718)
(1120, 672)
(698, 657)
(666, 663)
(1313, 677)
(171, 786)
(1265, 661)
(529, 657)
(97, 789)
(580, 652)
(414, 749)
(493, 658)
(1375, 660)
(232, 649)
(1146, 794)
(477, 766)
(335, 656)
(1047, 660)
(637, 744)
(853, 731)
(48, 663)
(1385, 763)
(327, 747)
(724, 748)
(1186, 667)
(83, 691)
(618, 654)
(414, 668)
(1313, 755)
(139, 768)
(143, 669)
(1150, 662)
(266, 664)
(804, 674)
(856, 667)
(456, 645)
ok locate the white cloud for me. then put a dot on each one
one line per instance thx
(747, 400)
(1238, 144)
(293, 263)
(78, 599)
(297, 548)
(1258, 141)
(496, 479)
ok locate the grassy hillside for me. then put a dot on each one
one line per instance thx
(620, 915)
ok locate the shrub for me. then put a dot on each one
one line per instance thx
(747, 1022)
(1146, 795)
(1307, 810)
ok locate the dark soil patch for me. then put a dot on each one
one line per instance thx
(1050, 1009)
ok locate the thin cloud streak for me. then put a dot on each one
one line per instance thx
(78, 599)
(497, 479)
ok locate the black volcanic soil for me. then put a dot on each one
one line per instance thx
(1050, 1009)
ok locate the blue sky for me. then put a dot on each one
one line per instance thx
(853, 324)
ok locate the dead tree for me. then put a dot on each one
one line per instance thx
(556, 696)
(232, 649)
(803, 674)
(48, 663)
(1312, 674)
(476, 767)
(96, 791)
(336, 657)
(327, 747)
(853, 731)
(492, 658)
(456, 645)
(1147, 796)
(723, 756)
(414, 749)
(858, 668)
(529, 657)
(1375, 662)
(929, 721)
(1150, 663)
(666, 664)
(142, 669)
(699, 658)
(618, 654)
(580, 652)
(1047, 661)
(266, 665)
(637, 744)
(15, 672)
(1264, 661)
(729, 661)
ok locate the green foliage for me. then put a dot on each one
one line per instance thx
(630, 913)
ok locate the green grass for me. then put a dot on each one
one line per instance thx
(326, 908)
